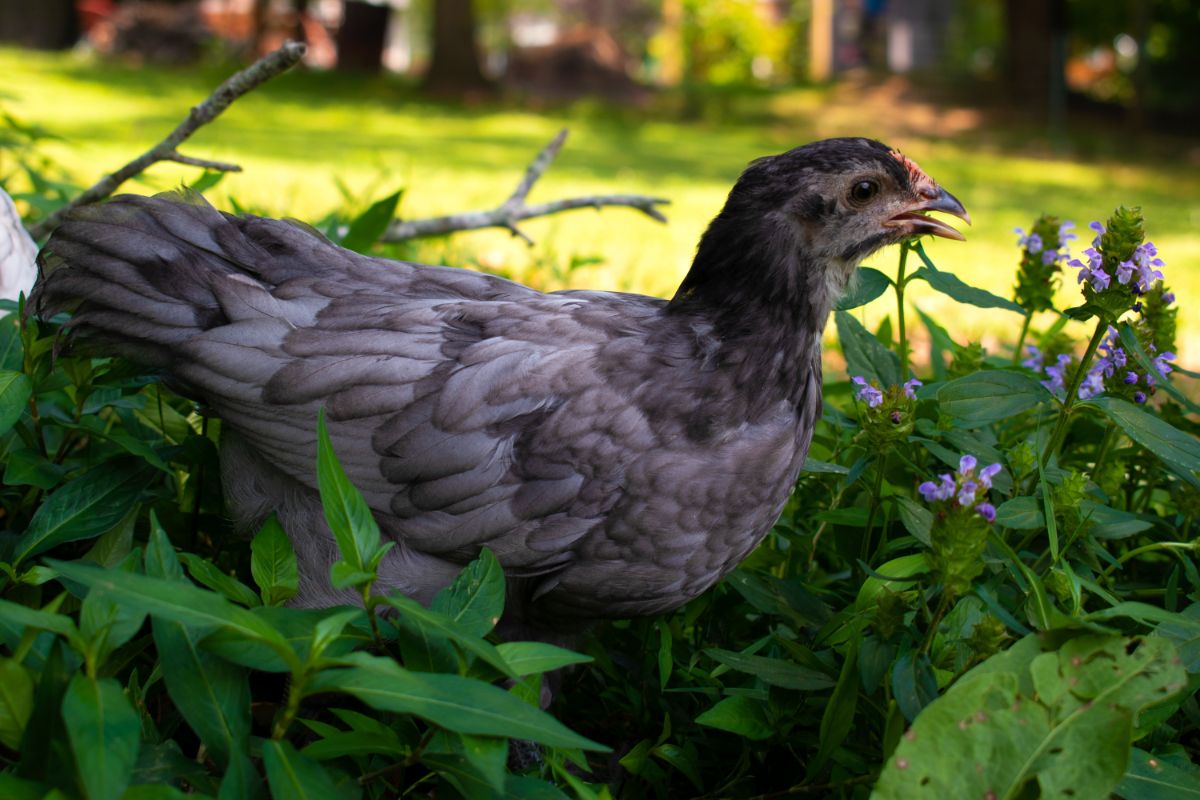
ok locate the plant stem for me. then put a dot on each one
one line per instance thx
(1021, 339)
(1146, 548)
(876, 502)
(1060, 427)
(295, 695)
(900, 329)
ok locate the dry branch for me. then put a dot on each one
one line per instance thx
(237, 85)
(515, 210)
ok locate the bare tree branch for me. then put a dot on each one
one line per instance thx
(237, 85)
(515, 210)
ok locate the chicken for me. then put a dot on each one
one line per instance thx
(618, 453)
(17, 252)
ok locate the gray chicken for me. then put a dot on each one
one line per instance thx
(618, 453)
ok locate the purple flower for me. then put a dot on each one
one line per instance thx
(966, 495)
(1064, 231)
(966, 465)
(910, 388)
(1099, 229)
(868, 393)
(929, 491)
(1168, 298)
(1099, 279)
(1093, 384)
(1139, 397)
(1031, 242)
(1160, 363)
(946, 489)
(987, 473)
(1124, 272)
(987, 511)
(1034, 362)
(1130, 378)
(1057, 373)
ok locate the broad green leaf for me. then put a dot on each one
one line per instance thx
(916, 518)
(913, 684)
(207, 180)
(15, 390)
(86, 507)
(985, 397)
(774, 671)
(346, 511)
(177, 601)
(206, 573)
(273, 564)
(444, 626)
(475, 600)
(532, 658)
(16, 701)
(1161, 438)
(27, 617)
(1112, 523)
(26, 467)
(1021, 514)
(369, 226)
(14, 788)
(865, 356)
(105, 734)
(1152, 778)
(459, 704)
(357, 743)
(989, 736)
(211, 694)
(952, 286)
(824, 467)
(293, 776)
(868, 283)
(106, 624)
(742, 715)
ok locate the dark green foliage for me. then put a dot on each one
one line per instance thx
(874, 640)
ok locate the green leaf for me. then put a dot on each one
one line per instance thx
(867, 285)
(273, 564)
(349, 517)
(774, 671)
(177, 601)
(532, 658)
(443, 625)
(25, 467)
(357, 743)
(1021, 514)
(951, 285)
(15, 390)
(105, 734)
(369, 226)
(1060, 722)
(293, 776)
(913, 684)
(211, 694)
(206, 573)
(917, 519)
(1162, 439)
(86, 507)
(824, 467)
(666, 651)
(207, 180)
(16, 701)
(985, 397)
(1151, 778)
(475, 765)
(464, 705)
(475, 600)
(838, 717)
(742, 715)
(865, 356)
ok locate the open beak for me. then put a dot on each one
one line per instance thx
(914, 222)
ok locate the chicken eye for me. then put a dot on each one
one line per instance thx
(863, 191)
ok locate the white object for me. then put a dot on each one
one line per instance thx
(18, 252)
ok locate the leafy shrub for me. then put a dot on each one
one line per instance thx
(984, 585)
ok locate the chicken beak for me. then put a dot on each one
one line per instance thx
(914, 222)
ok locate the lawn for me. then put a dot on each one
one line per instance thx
(302, 134)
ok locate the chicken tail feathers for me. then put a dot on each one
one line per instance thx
(142, 275)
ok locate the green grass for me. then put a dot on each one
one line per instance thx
(298, 134)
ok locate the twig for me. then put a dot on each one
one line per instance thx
(237, 85)
(515, 210)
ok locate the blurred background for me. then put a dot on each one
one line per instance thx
(1019, 107)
